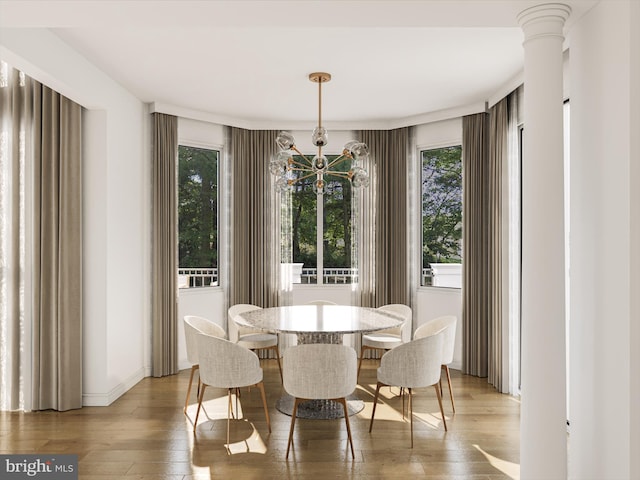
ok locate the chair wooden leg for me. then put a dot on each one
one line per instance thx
(444, 420)
(402, 395)
(293, 422)
(279, 364)
(264, 404)
(186, 402)
(363, 349)
(360, 361)
(411, 414)
(453, 405)
(229, 413)
(375, 403)
(195, 422)
(343, 401)
(198, 387)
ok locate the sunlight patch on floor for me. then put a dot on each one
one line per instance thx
(432, 419)
(214, 409)
(252, 444)
(510, 469)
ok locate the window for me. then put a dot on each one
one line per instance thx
(442, 216)
(321, 228)
(197, 217)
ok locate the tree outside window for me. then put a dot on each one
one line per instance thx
(441, 214)
(332, 211)
(197, 216)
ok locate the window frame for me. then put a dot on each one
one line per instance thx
(320, 235)
(457, 142)
(221, 216)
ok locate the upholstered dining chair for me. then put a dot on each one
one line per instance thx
(252, 338)
(448, 322)
(414, 364)
(224, 364)
(192, 326)
(320, 371)
(390, 338)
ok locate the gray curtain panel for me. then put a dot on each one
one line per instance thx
(164, 299)
(43, 131)
(485, 149)
(384, 237)
(476, 280)
(16, 121)
(57, 261)
(41, 202)
(255, 232)
(498, 153)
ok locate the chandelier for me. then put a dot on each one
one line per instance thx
(290, 170)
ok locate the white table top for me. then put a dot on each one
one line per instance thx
(310, 319)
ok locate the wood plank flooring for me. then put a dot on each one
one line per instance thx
(145, 436)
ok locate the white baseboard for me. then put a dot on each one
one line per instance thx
(106, 399)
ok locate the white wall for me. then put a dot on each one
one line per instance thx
(116, 210)
(604, 378)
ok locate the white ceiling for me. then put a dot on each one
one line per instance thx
(247, 62)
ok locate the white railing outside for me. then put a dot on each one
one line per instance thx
(427, 277)
(331, 275)
(197, 277)
(440, 275)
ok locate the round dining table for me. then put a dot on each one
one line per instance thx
(319, 324)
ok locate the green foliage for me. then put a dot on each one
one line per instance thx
(303, 202)
(336, 220)
(441, 205)
(197, 207)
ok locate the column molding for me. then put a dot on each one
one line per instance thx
(543, 412)
(546, 20)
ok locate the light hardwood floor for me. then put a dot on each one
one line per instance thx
(144, 435)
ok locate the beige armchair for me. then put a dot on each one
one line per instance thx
(412, 365)
(384, 340)
(252, 338)
(448, 323)
(224, 364)
(320, 371)
(192, 326)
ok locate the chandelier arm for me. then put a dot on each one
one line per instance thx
(301, 169)
(304, 177)
(295, 149)
(338, 160)
(301, 165)
(338, 174)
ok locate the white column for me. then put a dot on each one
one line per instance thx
(543, 413)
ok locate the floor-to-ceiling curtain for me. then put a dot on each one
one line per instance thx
(255, 230)
(485, 154)
(383, 232)
(498, 152)
(476, 281)
(40, 246)
(164, 300)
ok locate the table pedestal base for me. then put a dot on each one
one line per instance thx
(319, 409)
